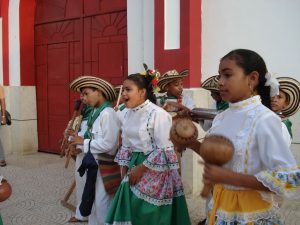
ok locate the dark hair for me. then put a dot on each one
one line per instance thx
(143, 82)
(250, 61)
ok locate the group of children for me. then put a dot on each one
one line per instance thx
(151, 190)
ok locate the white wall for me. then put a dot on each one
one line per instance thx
(140, 34)
(269, 27)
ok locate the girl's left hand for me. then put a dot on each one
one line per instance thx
(216, 174)
(136, 174)
(76, 140)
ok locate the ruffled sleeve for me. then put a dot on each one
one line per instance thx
(163, 156)
(281, 174)
(123, 156)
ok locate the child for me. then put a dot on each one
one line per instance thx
(151, 191)
(287, 102)
(171, 84)
(101, 139)
(211, 84)
(262, 165)
(80, 181)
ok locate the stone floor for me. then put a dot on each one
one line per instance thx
(40, 182)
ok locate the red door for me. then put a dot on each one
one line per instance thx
(67, 48)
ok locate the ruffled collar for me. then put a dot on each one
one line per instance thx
(246, 104)
(141, 106)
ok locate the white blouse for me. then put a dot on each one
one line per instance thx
(105, 132)
(142, 123)
(256, 133)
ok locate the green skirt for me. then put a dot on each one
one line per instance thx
(128, 208)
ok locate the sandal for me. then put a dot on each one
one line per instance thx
(2, 163)
(73, 219)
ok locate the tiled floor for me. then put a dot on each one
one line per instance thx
(40, 182)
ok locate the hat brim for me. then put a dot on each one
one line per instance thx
(165, 80)
(95, 82)
(211, 84)
(291, 87)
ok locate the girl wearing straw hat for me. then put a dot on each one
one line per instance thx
(287, 102)
(99, 141)
(151, 191)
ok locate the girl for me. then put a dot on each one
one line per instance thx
(262, 165)
(151, 191)
(287, 102)
(100, 138)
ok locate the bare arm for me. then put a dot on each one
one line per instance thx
(215, 174)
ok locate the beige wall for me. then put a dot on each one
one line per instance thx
(21, 136)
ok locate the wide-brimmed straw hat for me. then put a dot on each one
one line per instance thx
(170, 76)
(291, 87)
(211, 84)
(90, 81)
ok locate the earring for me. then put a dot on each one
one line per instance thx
(251, 90)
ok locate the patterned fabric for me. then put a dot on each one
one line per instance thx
(156, 199)
(111, 176)
(283, 182)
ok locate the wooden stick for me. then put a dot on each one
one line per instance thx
(64, 202)
(119, 97)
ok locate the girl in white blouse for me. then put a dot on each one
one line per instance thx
(246, 189)
(151, 191)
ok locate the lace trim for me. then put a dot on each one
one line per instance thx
(141, 106)
(243, 104)
(161, 168)
(154, 201)
(248, 217)
(119, 223)
(283, 183)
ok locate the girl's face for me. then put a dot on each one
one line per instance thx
(92, 97)
(234, 85)
(175, 88)
(132, 95)
(279, 102)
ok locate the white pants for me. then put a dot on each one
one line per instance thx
(101, 204)
(80, 182)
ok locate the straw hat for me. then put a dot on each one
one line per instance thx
(90, 81)
(291, 87)
(170, 76)
(211, 84)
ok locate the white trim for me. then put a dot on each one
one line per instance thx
(14, 43)
(172, 24)
(140, 33)
(1, 54)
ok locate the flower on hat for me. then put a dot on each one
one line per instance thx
(153, 75)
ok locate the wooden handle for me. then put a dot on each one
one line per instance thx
(206, 190)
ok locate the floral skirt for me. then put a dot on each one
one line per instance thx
(157, 199)
(241, 207)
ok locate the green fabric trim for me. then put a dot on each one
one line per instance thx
(93, 116)
(122, 107)
(288, 125)
(1, 222)
(163, 99)
(86, 111)
(222, 105)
